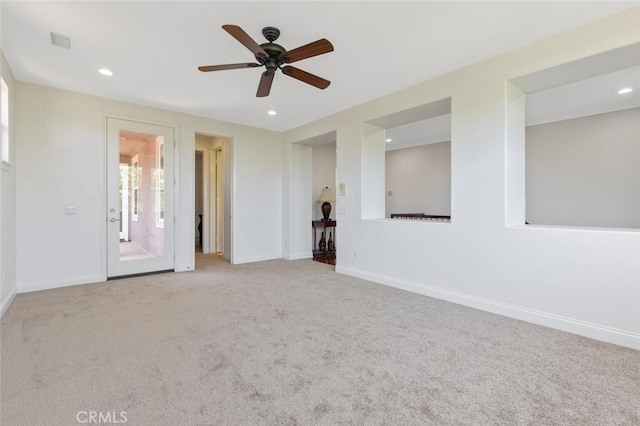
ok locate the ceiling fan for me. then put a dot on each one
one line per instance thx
(272, 56)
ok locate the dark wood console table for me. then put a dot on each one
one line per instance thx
(328, 255)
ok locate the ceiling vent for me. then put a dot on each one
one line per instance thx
(61, 40)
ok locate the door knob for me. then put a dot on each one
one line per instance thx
(113, 219)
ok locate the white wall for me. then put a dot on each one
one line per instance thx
(260, 189)
(323, 174)
(585, 171)
(61, 161)
(585, 281)
(298, 202)
(419, 179)
(8, 286)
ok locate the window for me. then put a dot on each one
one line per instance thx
(159, 182)
(4, 119)
(135, 192)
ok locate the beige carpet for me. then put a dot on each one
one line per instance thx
(293, 343)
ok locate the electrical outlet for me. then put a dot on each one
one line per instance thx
(356, 254)
(71, 210)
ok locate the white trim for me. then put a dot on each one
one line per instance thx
(260, 258)
(184, 268)
(7, 301)
(64, 282)
(206, 204)
(582, 328)
(298, 255)
(5, 124)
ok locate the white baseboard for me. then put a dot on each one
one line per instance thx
(251, 259)
(298, 255)
(582, 328)
(65, 282)
(184, 268)
(7, 301)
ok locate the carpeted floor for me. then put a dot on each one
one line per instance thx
(293, 343)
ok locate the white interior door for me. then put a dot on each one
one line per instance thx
(219, 201)
(140, 188)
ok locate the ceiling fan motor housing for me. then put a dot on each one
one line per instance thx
(274, 51)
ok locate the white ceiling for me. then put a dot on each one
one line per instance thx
(154, 49)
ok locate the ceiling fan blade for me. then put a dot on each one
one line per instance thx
(208, 68)
(244, 38)
(316, 48)
(265, 84)
(306, 77)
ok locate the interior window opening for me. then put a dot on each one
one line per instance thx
(582, 152)
(417, 163)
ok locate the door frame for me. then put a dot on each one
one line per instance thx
(213, 225)
(228, 195)
(170, 259)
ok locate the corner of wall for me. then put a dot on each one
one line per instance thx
(8, 285)
(6, 302)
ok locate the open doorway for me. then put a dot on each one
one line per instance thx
(212, 183)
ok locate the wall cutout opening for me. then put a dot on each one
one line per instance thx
(314, 168)
(417, 162)
(582, 143)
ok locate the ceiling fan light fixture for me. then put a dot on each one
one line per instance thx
(272, 56)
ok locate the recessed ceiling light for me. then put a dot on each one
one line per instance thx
(388, 140)
(105, 71)
(625, 90)
(272, 112)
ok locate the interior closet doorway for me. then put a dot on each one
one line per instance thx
(212, 197)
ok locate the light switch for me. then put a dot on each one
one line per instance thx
(343, 188)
